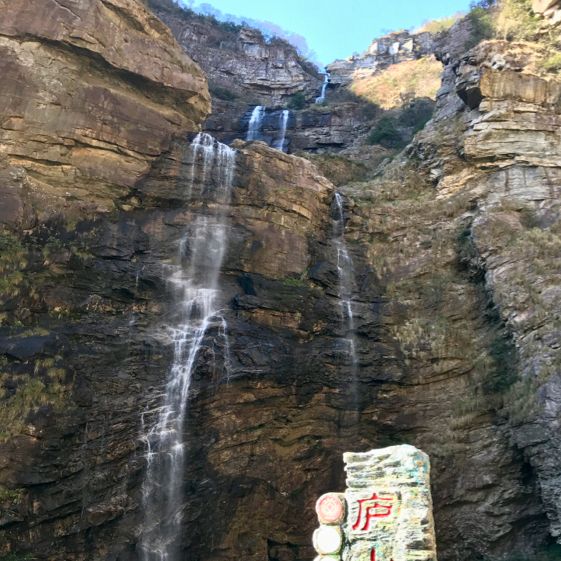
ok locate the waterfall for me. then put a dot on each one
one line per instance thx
(321, 98)
(345, 273)
(194, 281)
(283, 124)
(255, 123)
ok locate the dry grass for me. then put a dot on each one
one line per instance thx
(45, 387)
(439, 25)
(515, 20)
(401, 82)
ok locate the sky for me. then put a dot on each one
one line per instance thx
(335, 29)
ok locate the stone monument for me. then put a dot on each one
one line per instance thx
(385, 513)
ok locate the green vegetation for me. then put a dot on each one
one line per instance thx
(416, 115)
(168, 5)
(339, 169)
(369, 110)
(29, 396)
(174, 6)
(228, 26)
(469, 260)
(386, 133)
(18, 557)
(511, 20)
(294, 282)
(482, 24)
(521, 401)
(515, 20)
(499, 367)
(297, 101)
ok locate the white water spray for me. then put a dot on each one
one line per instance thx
(321, 98)
(345, 272)
(194, 281)
(285, 115)
(255, 123)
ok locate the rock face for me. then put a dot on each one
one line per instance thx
(93, 92)
(514, 237)
(461, 240)
(279, 226)
(246, 70)
(239, 61)
(551, 9)
(315, 129)
(454, 291)
(383, 52)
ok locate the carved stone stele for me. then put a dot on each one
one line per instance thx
(385, 513)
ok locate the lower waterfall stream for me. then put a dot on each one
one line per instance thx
(345, 274)
(285, 115)
(194, 282)
(255, 123)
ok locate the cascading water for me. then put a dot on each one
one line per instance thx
(255, 123)
(194, 280)
(345, 272)
(285, 115)
(326, 78)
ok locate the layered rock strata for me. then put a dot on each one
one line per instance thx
(239, 61)
(454, 297)
(462, 230)
(93, 92)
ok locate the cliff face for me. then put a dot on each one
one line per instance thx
(245, 70)
(391, 49)
(91, 356)
(92, 93)
(240, 61)
(454, 288)
(462, 231)
(512, 145)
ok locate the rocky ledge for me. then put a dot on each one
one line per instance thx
(92, 92)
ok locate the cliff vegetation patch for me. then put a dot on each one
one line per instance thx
(401, 82)
(26, 393)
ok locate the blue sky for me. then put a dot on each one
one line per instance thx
(338, 28)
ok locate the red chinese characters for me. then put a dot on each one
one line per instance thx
(376, 506)
(373, 555)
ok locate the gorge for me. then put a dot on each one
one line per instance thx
(201, 310)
